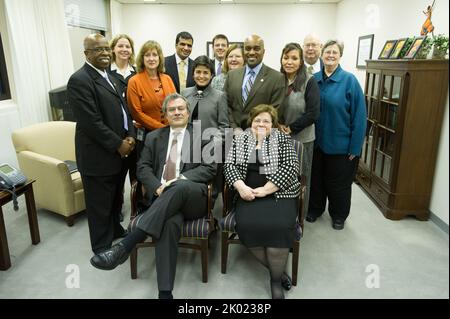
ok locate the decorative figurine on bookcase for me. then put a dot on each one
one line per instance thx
(427, 26)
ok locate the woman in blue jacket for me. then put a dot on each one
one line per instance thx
(340, 133)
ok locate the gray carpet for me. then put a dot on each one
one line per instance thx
(372, 257)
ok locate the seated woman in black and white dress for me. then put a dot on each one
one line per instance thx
(263, 168)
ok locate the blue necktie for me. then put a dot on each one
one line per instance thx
(219, 68)
(248, 86)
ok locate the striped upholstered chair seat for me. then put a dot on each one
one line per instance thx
(196, 228)
(194, 233)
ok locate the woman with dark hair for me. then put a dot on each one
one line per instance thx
(208, 104)
(301, 107)
(263, 168)
(209, 107)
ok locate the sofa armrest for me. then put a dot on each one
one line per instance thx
(53, 188)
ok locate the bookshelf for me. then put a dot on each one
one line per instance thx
(405, 102)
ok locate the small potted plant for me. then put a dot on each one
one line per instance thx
(405, 47)
(440, 43)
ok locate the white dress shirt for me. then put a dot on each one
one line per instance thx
(180, 138)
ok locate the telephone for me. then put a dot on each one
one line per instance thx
(9, 179)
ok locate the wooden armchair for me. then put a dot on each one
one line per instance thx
(195, 233)
(228, 221)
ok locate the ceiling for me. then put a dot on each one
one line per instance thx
(233, 2)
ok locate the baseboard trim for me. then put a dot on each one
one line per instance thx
(439, 222)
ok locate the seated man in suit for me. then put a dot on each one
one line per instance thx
(252, 85)
(179, 65)
(176, 182)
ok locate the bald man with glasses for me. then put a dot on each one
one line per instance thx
(104, 138)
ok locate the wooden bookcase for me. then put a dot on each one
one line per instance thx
(405, 102)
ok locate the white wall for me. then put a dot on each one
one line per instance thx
(393, 20)
(276, 24)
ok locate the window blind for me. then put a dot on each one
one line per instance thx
(89, 14)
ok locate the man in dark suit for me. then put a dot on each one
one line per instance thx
(104, 138)
(312, 50)
(252, 85)
(175, 181)
(220, 46)
(179, 66)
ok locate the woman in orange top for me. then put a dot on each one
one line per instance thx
(148, 89)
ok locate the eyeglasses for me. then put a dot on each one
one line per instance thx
(100, 50)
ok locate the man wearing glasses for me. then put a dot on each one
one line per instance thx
(312, 50)
(104, 138)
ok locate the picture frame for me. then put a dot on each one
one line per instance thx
(415, 47)
(210, 49)
(365, 48)
(387, 49)
(398, 48)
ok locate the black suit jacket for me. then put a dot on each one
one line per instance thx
(121, 81)
(99, 132)
(172, 70)
(153, 158)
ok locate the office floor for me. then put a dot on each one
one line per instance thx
(372, 257)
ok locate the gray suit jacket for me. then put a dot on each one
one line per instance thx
(153, 158)
(269, 88)
(212, 108)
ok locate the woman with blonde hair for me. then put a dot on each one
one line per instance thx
(234, 59)
(122, 65)
(147, 91)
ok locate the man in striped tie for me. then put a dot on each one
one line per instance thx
(253, 85)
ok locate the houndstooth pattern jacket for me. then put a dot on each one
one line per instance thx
(280, 162)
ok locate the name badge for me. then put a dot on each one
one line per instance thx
(140, 134)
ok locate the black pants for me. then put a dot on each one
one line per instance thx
(331, 178)
(182, 200)
(103, 196)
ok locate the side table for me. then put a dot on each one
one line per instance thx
(5, 197)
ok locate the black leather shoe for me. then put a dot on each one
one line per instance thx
(286, 281)
(311, 219)
(111, 258)
(338, 224)
(165, 295)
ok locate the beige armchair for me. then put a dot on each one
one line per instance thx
(41, 151)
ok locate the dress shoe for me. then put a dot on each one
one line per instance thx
(311, 219)
(286, 281)
(163, 294)
(111, 258)
(338, 224)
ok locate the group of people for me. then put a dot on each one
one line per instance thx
(139, 115)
